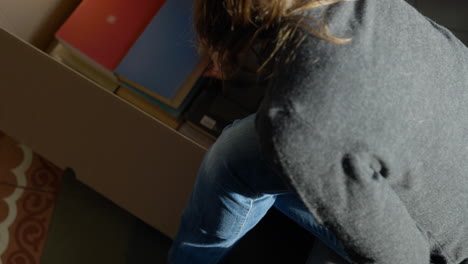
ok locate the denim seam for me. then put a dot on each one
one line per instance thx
(245, 219)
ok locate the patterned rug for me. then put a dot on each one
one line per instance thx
(29, 186)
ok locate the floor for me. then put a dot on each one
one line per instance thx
(28, 188)
(47, 216)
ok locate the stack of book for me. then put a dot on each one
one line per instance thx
(142, 50)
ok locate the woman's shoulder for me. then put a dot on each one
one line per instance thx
(382, 79)
(389, 44)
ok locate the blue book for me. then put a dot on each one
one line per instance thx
(164, 61)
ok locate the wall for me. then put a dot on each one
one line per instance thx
(35, 20)
(452, 14)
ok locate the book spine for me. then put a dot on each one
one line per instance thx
(68, 57)
(147, 107)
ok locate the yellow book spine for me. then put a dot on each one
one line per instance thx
(67, 56)
(147, 107)
(182, 92)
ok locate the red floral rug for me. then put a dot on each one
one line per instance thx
(28, 190)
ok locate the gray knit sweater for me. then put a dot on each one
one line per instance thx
(373, 134)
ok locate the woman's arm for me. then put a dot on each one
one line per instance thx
(328, 143)
(343, 189)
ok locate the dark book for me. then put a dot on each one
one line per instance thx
(211, 111)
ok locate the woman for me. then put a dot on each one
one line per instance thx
(361, 138)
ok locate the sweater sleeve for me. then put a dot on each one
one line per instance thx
(327, 158)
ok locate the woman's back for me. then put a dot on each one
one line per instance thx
(373, 134)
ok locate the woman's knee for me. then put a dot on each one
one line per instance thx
(234, 162)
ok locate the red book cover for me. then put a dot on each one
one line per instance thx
(104, 30)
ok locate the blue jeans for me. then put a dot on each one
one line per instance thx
(234, 190)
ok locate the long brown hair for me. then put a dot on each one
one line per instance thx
(229, 27)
